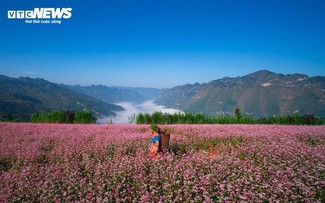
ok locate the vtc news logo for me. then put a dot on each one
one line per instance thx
(41, 13)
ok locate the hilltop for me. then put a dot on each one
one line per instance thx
(259, 94)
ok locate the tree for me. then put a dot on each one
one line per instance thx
(237, 113)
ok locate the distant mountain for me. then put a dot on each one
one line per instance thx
(260, 94)
(145, 92)
(19, 97)
(118, 94)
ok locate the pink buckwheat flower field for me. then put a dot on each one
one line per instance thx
(205, 163)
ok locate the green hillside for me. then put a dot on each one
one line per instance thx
(19, 97)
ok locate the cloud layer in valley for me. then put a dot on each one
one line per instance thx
(133, 109)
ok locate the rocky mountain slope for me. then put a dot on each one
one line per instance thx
(260, 94)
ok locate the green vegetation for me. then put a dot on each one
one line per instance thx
(294, 119)
(7, 117)
(64, 117)
(238, 118)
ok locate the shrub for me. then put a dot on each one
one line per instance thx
(238, 118)
(64, 117)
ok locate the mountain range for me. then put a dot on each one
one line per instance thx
(260, 94)
(19, 97)
(118, 94)
(22, 96)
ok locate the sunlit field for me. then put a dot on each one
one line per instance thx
(205, 163)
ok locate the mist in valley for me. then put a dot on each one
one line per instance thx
(132, 109)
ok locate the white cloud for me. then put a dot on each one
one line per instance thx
(134, 109)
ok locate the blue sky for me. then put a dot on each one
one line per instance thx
(163, 43)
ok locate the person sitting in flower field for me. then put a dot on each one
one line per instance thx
(155, 147)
